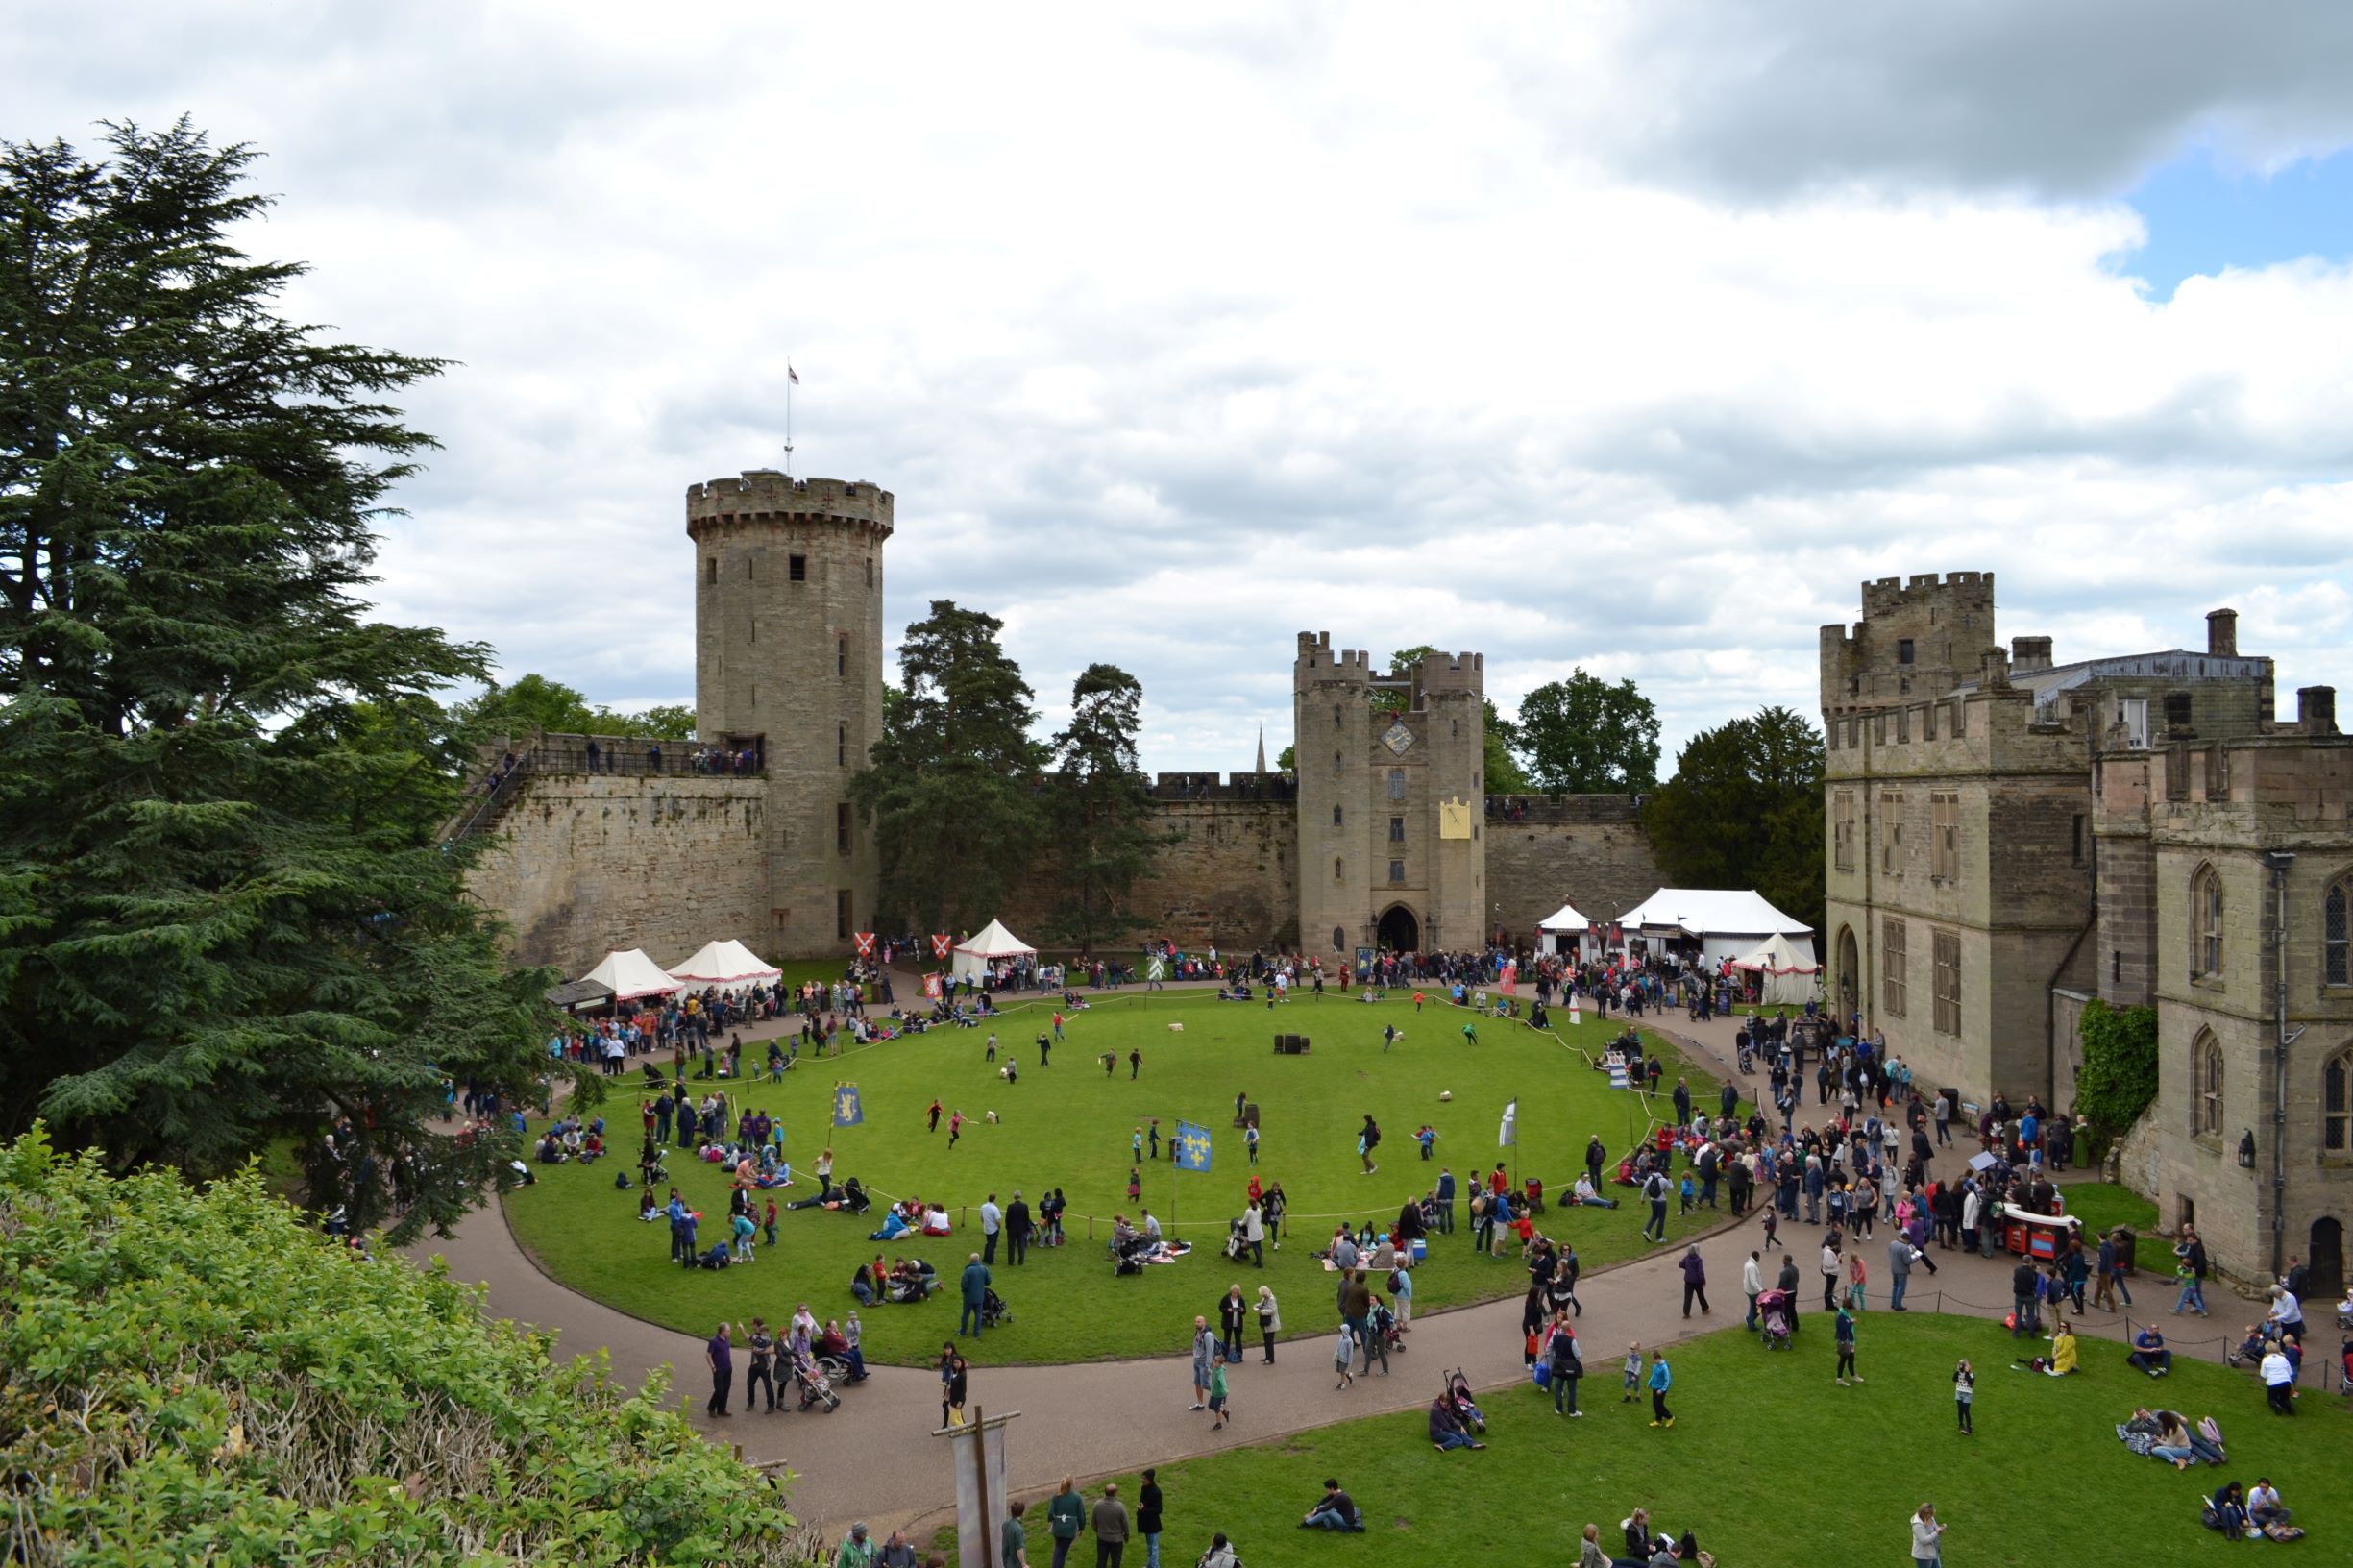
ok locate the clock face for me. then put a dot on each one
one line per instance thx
(1397, 737)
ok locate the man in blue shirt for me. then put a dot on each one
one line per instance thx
(722, 1357)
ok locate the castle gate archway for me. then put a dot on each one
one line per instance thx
(1400, 931)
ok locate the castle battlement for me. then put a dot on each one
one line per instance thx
(766, 495)
(1890, 594)
(1452, 672)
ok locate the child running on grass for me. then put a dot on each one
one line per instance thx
(1633, 1371)
(1964, 1393)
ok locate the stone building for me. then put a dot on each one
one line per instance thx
(1383, 835)
(1391, 803)
(787, 665)
(2008, 837)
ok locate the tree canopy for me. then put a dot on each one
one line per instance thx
(1583, 736)
(223, 919)
(1100, 808)
(954, 784)
(1744, 810)
(200, 1377)
(534, 701)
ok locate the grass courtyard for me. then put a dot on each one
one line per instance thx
(1069, 1126)
(1772, 1465)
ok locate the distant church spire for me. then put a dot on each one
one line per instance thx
(1262, 748)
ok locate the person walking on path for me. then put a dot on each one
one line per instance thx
(1149, 1518)
(1064, 1516)
(857, 1549)
(975, 1289)
(1964, 1394)
(1110, 1527)
(1205, 1346)
(1655, 1190)
(1695, 1281)
(1832, 1265)
(721, 1355)
(2111, 1271)
(1928, 1537)
(1270, 1320)
(2192, 1270)
(1752, 1283)
(1218, 1394)
(1901, 1256)
(1841, 1329)
(1343, 1355)
(1662, 1380)
(1786, 1282)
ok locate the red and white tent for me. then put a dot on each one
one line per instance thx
(992, 943)
(1786, 972)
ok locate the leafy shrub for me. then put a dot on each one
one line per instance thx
(197, 1377)
(2119, 1063)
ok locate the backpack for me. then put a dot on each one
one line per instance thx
(1396, 1279)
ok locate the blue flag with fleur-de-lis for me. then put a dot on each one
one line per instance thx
(846, 1111)
(1192, 1146)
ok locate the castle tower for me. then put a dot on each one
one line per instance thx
(787, 665)
(1450, 701)
(1331, 738)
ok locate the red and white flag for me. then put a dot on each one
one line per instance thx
(865, 941)
(941, 944)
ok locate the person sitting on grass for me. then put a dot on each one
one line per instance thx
(2062, 1351)
(1446, 1429)
(1585, 1195)
(1336, 1510)
(2148, 1352)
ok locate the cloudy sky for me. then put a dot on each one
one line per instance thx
(1624, 336)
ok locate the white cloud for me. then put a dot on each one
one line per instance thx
(1635, 339)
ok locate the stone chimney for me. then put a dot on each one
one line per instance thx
(2315, 709)
(2029, 654)
(2223, 633)
(1994, 669)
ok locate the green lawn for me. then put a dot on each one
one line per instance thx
(1069, 1126)
(2103, 1206)
(1772, 1465)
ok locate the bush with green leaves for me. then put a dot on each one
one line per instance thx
(2119, 1063)
(197, 1376)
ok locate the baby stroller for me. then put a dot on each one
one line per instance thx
(1458, 1391)
(810, 1379)
(1772, 1313)
(992, 1309)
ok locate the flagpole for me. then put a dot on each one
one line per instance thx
(788, 380)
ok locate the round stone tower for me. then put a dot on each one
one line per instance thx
(788, 666)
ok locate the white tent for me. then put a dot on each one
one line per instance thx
(727, 963)
(631, 975)
(1564, 922)
(1786, 973)
(1729, 921)
(974, 955)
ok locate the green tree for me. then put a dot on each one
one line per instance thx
(530, 702)
(223, 921)
(1744, 810)
(1583, 736)
(1286, 760)
(954, 784)
(2119, 1063)
(663, 722)
(1101, 808)
(201, 1376)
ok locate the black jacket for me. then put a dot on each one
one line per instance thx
(1016, 1218)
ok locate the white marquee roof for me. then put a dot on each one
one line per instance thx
(993, 941)
(631, 974)
(1564, 919)
(1711, 910)
(727, 963)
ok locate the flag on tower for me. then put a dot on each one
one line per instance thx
(1192, 1146)
(1508, 1136)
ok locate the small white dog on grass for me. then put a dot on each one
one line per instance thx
(1176, 1028)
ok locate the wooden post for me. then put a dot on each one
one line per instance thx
(980, 1457)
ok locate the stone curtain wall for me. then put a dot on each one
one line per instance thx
(583, 864)
(1226, 876)
(1601, 861)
